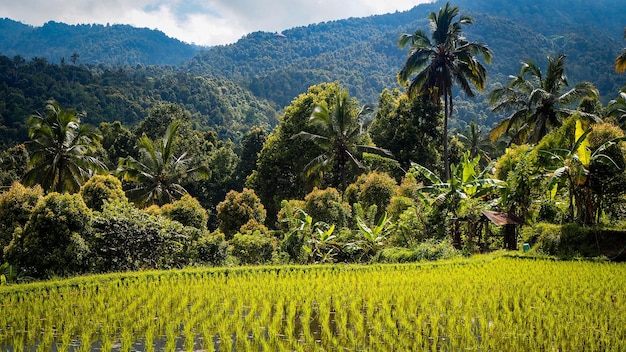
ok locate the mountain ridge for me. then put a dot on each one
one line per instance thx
(117, 44)
(361, 53)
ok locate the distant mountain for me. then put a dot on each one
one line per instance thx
(362, 53)
(125, 94)
(95, 44)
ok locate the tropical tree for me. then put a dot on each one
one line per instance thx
(475, 142)
(408, 128)
(63, 150)
(575, 166)
(620, 61)
(466, 181)
(439, 63)
(536, 102)
(156, 177)
(617, 108)
(340, 138)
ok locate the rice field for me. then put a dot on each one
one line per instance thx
(478, 304)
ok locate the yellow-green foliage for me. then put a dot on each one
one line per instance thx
(374, 188)
(52, 240)
(16, 205)
(187, 211)
(481, 304)
(237, 209)
(326, 205)
(509, 160)
(101, 188)
(288, 214)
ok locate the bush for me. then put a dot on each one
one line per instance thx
(101, 188)
(16, 205)
(252, 248)
(187, 211)
(373, 189)
(209, 249)
(52, 240)
(126, 238)
(237, 209)
(429, 250)
(409, 228)
(572, 240)
(325, 205)
(377, 189)
(289, 215)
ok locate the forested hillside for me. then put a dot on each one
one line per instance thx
(92, 43)
(124, 94)
(361, 53)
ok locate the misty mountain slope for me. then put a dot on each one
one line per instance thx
(361, 53)
(94, 44)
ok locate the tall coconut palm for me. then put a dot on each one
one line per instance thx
(537, 103)
(620, 61)
(156, 176)
(435, 66)
(62, 150)
(340, 136)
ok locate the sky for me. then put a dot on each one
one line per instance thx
(201, 22)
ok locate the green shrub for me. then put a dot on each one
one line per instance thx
(126, 238)
(101, 188)
(16, 205)
(209, 249)
(377, 189)
(409, 187)
(409, 228)
(573, 240)
(428, 250)
(373, 189)
(325, 205)
(252, 248)
(52, 240)
(187, 211)
(237, 209)
(289, 215)
(550, 212)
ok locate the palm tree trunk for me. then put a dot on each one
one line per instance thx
(446, 160)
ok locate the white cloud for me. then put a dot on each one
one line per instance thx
(204, 22)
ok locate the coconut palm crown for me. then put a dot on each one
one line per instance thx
(435, 65)
(63, 150)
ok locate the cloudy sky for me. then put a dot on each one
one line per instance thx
(203, 22)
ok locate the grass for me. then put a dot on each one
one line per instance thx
(491, 302)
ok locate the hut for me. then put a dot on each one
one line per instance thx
(510, 223)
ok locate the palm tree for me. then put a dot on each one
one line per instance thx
(340, 134)
(475, 142)
(156, 176)
(536, 102)
(620, 61)
(62, 150)
(437, 64)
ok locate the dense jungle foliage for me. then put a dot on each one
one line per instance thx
(263, 151)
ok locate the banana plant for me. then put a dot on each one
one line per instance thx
(323, 247)
(372, 238)
(465, 181)
(10, 274)
(574, 166)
